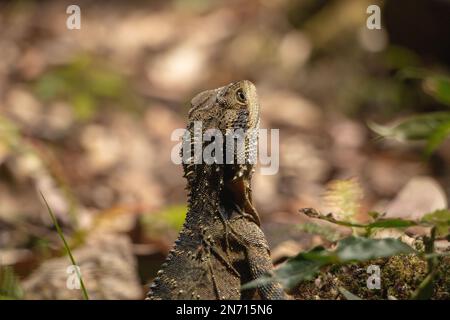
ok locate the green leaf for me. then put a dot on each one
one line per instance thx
(302, 267)
(84, 105)
(50, 86)
(313, 213)
(160, 222)
(296, 271)
(440, 219)
(429, 256)
(437, 217)
(324, 231)
(437, 138)
(362, 249)
(425, 289)
(348, 295)
(419, 127)
(438, 87)
(381, 223)
(392, 223)
(105, 83)
(10, 288)
(305, 265)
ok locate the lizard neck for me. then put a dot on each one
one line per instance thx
(206, 193)
(213, 197)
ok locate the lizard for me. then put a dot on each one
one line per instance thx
(221, 245)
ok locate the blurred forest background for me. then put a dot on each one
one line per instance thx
(86, 118)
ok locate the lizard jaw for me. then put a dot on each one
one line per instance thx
(238, 188)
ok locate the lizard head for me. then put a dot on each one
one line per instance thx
(233, 110)
(234, 106)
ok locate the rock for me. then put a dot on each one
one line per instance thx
(420, 196)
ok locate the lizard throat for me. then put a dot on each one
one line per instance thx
(221, 189)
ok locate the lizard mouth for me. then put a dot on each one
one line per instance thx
(238, 192)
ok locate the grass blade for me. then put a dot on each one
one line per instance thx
(66, 246)
(348, 295)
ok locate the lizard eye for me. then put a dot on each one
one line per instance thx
(240, 95)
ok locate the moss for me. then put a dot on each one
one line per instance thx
(442, 289)
(400, 276)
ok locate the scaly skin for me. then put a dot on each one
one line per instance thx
(221, 245)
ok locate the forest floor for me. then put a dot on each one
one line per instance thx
(86, 118)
